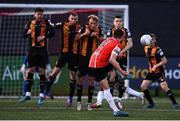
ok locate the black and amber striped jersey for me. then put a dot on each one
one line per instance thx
(88, 43)
(70, 43)
(126, 34)
(154, 55)
(38, 28)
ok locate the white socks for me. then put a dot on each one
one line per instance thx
(41, 95)
(100, 97)
(110, 100)
(133, 92)
(28, 93)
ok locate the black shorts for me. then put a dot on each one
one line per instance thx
(83, 65)
(70, 58)
(37, 56)
(156, 77)
(123, 62)
(100, 73)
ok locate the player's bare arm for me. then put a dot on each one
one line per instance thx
(161, 63)
(128, 46)
(113, 61)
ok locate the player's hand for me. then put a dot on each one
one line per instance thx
(120, 55)
(94, 34)
(124, 73)
(29, 31)
(23, 68)
(154, 68)
(39, 38)
(48, 69)
(87, 32)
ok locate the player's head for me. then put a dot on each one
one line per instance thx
(154, 38)
(118, 22)
(73, 18)
(38, 13)
(92, 21)
(118, 33)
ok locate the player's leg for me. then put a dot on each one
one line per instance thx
(90, 92)
(49, 93)
(51, 79)
(42, 84)
(100, 97)
(23, 71)
(28, 84)
(72, 87)
(100, 76)
(110, 100)
(59, 64)
(169, 93)
(80, 90)
(121, 90)
(72, 66)
(41, 63)
(24, 87)
(111, 79)
(135, 93)
(31, 60)
(123, 64)
(144, 88)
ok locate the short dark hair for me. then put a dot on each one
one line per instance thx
(153, 35)
(118, 33)
(39, 9)
(117, 17)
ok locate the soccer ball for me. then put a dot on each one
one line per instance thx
(146, 39)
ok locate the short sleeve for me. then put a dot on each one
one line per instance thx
(116, 50)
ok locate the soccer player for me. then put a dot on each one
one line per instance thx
(90, 37)
(36, 76)
(102, 61)
(156, 61)
(68, 53)
(37, 30)
(126, 44)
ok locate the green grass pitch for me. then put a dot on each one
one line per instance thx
(11, 109)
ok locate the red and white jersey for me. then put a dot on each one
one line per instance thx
(100, 58)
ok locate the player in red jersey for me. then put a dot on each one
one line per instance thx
(102, 61)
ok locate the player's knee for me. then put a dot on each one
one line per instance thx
(30, 76)
(73, 81)
(52, 78)
(42, 79)
(72, 75)
(164, 88)
(143, 87)
(91, 81)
